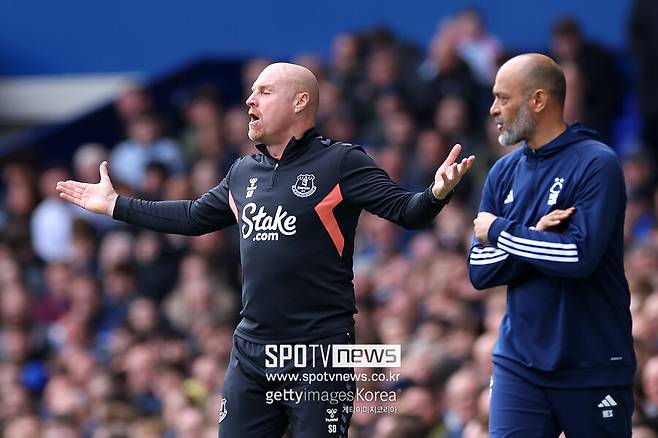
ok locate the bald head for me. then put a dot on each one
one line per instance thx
(528, 104)
(300, 80)
(535, 71)
(283, 104)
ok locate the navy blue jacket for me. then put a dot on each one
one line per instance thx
(297, 218)
(567, 322)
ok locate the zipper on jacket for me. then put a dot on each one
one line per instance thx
(536, 182)
(274, 173)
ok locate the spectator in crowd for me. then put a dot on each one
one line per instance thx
(202, 136)
(648, 410)
(345, 69)
(132, 102)
(443, 72)
(477, 47)
(643, 35)
(598, 71)
(52, 221)
(145, 144)
(573, 102)
(461, 401)
(27, 426)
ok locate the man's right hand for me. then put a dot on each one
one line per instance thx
(555, 221)
(98, 198)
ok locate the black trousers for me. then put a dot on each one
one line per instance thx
(265, 391)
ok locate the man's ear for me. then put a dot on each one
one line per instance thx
(538, 100)
(301, 101)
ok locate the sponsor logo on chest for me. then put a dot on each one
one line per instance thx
(257, 222)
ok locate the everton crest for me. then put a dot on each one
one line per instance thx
(305, 185)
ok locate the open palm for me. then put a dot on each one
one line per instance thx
(450, 172)
(98, 198)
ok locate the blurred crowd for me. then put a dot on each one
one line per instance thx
(108, 330)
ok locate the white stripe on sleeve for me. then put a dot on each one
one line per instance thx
(538, 242)
(487, 255)
(489, 261)
(535, 249)
(531, 255)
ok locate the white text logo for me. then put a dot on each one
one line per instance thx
(265, 226)
(367, 355)
(338, 355)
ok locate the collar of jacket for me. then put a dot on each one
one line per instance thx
(294, 147)
(572, 134)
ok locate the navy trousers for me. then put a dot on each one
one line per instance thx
(521, 409)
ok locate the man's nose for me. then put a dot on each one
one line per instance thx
(493, 110)
(250, 100)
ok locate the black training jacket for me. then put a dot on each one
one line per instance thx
(297, 218)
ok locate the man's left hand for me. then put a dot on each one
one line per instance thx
(481, 225)
(450, 173)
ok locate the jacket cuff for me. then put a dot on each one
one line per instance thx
(120, 206)
(437, 201)
(497, 226)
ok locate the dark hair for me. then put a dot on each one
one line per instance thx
(567, 27)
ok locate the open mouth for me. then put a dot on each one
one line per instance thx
(253, 117)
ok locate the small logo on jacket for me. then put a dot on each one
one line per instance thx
(555, 191)
(305, 185)
(607, 402)
(251, 188)
(222, 410)
(332, 415)
(510, 197)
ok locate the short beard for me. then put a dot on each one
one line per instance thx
(520, 129)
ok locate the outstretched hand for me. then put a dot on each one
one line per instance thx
(98, 198)
(450, 173)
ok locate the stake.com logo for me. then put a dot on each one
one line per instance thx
(265, 226)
